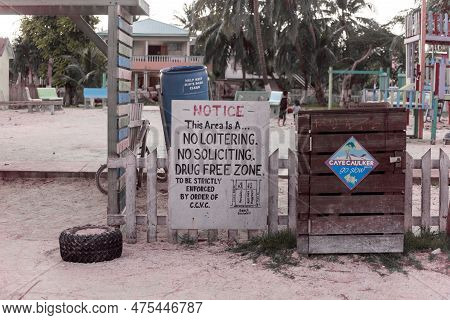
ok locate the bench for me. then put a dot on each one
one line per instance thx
(95, 93)
(49, 94)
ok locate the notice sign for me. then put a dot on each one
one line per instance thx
(218, 176)
(351, 163)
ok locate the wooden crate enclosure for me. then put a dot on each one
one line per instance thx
(370, 218)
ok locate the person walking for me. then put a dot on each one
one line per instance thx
(283, 109)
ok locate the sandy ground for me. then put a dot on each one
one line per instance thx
(34, 212)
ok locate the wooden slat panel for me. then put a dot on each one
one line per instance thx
(122, 134)
(124, 62)
(304, 124)
(123, 145)
(394, 183)
(125, 39)
(123, 74)
(124, 85)
(318, 162)
(426, 189)
(292, 191)
(304, 145)
(356, 224)
(303, 184)
(125, 51)
(356, 244)
(123, 98)
(371, 142)
(123, 110)
(408, 192)
(362, 122)
(123, 122)
(122, 12)
(357, 204)
(124, 26)
(443, 190)
(303, 214)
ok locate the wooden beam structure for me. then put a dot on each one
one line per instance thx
(89, 32)
(70, 7)
(120, 18)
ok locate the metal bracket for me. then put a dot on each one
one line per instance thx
(395, 159)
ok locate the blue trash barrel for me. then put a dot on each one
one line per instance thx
(182, 83)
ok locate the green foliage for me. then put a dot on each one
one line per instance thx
(426, 240)
(278, 247)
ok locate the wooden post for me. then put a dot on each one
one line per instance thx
(408, 191)
(172, 235)
(273, 192)
(113, 196)
(330, 87)
(443, 190)
(423, 30)
(426, 189)
(130, 217)
(233, 235)
(292, 191)
(434, 119)
(152, 192)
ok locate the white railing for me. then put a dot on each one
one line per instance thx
(176, 59)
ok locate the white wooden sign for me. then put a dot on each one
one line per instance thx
(218, 176)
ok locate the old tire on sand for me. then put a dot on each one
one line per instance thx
(89, 243)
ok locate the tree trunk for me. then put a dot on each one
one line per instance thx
(318, 88)
(259, 42)
(346, 83)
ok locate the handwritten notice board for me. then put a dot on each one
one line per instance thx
(218, 176)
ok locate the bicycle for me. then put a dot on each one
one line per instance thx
(136, 145)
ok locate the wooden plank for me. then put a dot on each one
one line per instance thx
(123, 110)
(426, 189)
(113, 200)
(358, 122)
(392, 183)
(123, 74)
(125, 51)
(122, 12)
(357, 204)
(123, 97)
(304, 124)
(356, 244)
(372, 142)
(303, 244)
(318, 165)
(356, 224)
(125, 38)
(122, 134)
(124, 26)
(130, 217)
(152, 205)
(408, 192)
(303, 209)
(123, 145)
(123, 62)
(273, 193)
(124, 85)
(292, 191)
(443, 190)
(123, 122)
(304, 143)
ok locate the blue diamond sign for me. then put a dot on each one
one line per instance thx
(351, 163)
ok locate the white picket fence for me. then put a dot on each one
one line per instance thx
(130, 218)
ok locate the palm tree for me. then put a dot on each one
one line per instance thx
(259, 42)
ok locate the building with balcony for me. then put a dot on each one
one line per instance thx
(157, 45)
